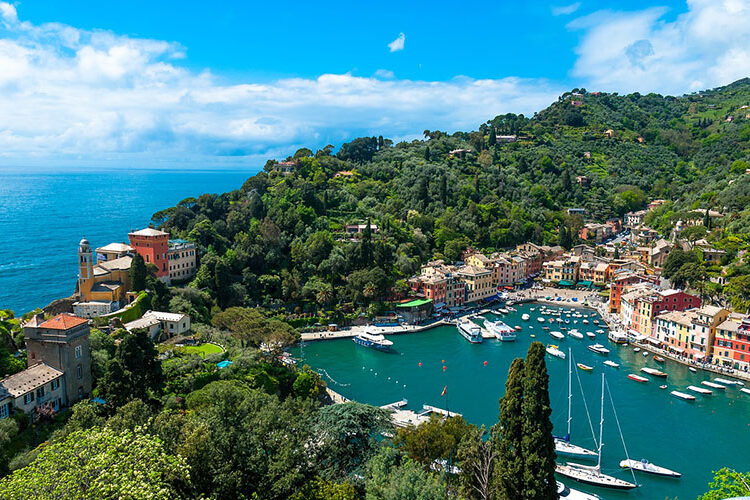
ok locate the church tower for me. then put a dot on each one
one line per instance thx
(85, 257)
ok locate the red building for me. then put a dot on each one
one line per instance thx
(620, 281)
(152, 245)
(732, 343)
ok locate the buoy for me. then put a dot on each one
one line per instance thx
(420, 363)
(485, 363)
(443, 367)
(442, 361)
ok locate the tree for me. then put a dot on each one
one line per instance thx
(427, 153)
(476, 459)
(134, 372)
(138, 273)
(391, 476)
(728, 483)
(101, 463)
(318, 489)
(436, 439)
(616, 255)
(507, 481)
(537, 444)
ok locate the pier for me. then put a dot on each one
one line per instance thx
(384, 330)
(440, 411)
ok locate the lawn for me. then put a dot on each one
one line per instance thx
(203, 350)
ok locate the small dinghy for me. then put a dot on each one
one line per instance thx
(525, 317)
(585, 368)
(713, 385)
(648, 468)
(663, 386)
(645, 353)
(700, 390)
(658, 359)
(600, 332)
(612, 364)
(637, 349)
(682, 395)
(590, 335)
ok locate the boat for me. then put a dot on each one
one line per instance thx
(518, 328)
(649, 468)
(745, 390)
(692, 369)
(503, 310)
(591, 335)
(593, 474)
(727, 381)
(600, 331)
(531, 308)
(596, 321)
(373, 340)
(645, 353)
(700, 390)
(540, 319)
(552, 350)
(470, 331)
(571, 494)
(658, 359)
(637, 378)
(654, 372)
(557, 335)
(501, 331)
(599, 349)
(575, 334)
(525, 317)
(637, 349)
(585, 368)
(682, 395)
(612, 364)
(585, 322)
(713, 385)
(618, 337)
(563, 446)
(663, 386)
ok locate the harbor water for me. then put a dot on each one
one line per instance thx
(693, 438)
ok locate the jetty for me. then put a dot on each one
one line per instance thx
(440, 411)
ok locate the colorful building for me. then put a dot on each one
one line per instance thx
(732, 343)
(643, 302)
(478, 283)
(101, 288)
(182, 260)
(153, 246)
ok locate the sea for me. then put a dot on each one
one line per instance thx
(693, 438)
(44, 213)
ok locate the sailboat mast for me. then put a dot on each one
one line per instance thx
(601, 430)
(570, 390)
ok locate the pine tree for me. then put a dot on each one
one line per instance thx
(507, 481)
(537, 444)
(138, 273)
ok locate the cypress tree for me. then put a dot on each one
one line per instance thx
(427, 153)
(492, 139)
(617, 252)
(138, 273)
(537, 444)
(707, 220)
(507, 480)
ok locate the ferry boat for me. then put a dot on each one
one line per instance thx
(649, 468)
(571, 494)
(728, 382)
(552, 350)
(557, 335)
(612, 364)
(599, 349)
(700, 390)
(502, 331)
(525, 317)
(682, 395)
(470, 331)
(654, 372)
(637, 378)
(373, 340)
(713, 385)
(575, 334)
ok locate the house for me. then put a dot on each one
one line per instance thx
(439, 283)
(609, 133)
(656, 254)
(732, 343)
(622, 279)
(577, 211)
(477, 281)
(101, 288)
(633, 219)
(655, 204)
(595, 232)
(643, 302)
(182, 258)
(285, 167)
(461, 152)
(162, 324)
(582, 180)
(344, 173)
(113, 251)
(642, 234)
(360, 228)
(506, 138)
(689, 333)
(36, 387)
(153, 246)
(576, 103)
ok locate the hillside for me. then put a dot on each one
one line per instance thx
(279, 238)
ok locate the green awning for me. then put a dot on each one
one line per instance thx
(415, 303)
(586, 283)
(565, 283)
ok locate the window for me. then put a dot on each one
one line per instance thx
(78, 351)
(40, 392)
(55, 384)
(79, 371)
(4, 411)
(28, 397)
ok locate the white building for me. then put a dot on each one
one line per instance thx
(164, 324)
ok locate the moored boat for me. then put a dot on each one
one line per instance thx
(682, 395)
(575, 334)
(658, 359)
(540, 319)
(525, 317)
(700, 390)
(692, 369)
(612, 364)
(637, 378)
(552, 350)
(585, 322)
(618, 337)
(654, 372)
(745, 390)
(636, 349)
(591, 335)
(585, 368)
(599, 349)
(713, 385)
(571, 494)
(727, 381)
(470, 331)
(557, 335)
(649, 468)
(373, 340)
(645, 353)
(501, 331)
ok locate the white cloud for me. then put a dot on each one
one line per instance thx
(384, 73)
(69, 94)
(398, 43)
(8, 13)
(707, 46)
(565, 10)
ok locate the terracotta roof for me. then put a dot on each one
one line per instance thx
(32, 377)
(64, 321)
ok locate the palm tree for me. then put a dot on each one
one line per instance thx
(324, 295)
(369, 291)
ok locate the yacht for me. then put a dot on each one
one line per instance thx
(525, 317)
(373, 340)
(612, 364)
(557, 335)
(649, 468)
(682, 395)
(470, 331)
(571, 494)
(552, 350)
(575, 334)
(599, 349)
(563, 446)
(637, 378)
(654, 372)
(502, 331)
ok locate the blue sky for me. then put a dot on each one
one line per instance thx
(233, 83)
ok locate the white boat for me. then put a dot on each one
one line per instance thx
(540, 319)
(575, 334)
(649, 468)
(727, 381)
(571, 494)
(654, 372)
(599, 349)
(618, 337)
(636, 349)
(552, 350)
(525, 317)
(637, 378)
(700, 390)
(563, 446)
(591, 335)
(745, 390)
(557, 335)
(682, 395)
(692, 369)
(531, 308)
(585, 322)
(612, 364)
(470, 331)
(501, 331)
(503, 310)
(600, 331)
(593, 474)
(713, 385)
(645, 353)
(373, 340)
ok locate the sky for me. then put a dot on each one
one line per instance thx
(151, 84)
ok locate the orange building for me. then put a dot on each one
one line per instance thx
(153, 246)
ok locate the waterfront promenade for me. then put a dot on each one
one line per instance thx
(385, 330)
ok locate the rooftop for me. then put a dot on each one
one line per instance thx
(115, 247)
(149, 231)
(32, 377)
(63, 321)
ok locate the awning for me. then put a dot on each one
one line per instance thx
(652, 340)
(415, 303)
(676, 349)
(699, 355)
(586, 283)
(565, 283)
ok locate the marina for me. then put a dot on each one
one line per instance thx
(721, 417)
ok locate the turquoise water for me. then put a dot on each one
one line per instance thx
(44, 214)
(692, 438)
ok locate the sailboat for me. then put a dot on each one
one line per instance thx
(592, 475)
(563, 446)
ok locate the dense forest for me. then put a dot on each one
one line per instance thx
(279, 240)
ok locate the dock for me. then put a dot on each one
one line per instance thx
(395, 406)
(440, 411)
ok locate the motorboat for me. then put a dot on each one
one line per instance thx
(700, 390)
(540, 319)
(501, 331)
(637, 349)
(585, 368)
(682, 395)
(525, 317)
(612, 364)
(662, 387)
(376, 341)
(571, 494)
(645, 353)
(637, 378)
(563, 446)
(745, 390)
(658, 359)
(518, 328)
(692, 369)
(503, 310)
(727, 381)
(600, 331)
(552, 350)
(585, 322)
(713, 385)
(470, 331)
(649, 468)
(575, 334)
(591, 335)
(557, 335)
(599, 349)
(653, 372)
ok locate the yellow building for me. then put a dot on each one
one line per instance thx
(478, 282)
(101, 288)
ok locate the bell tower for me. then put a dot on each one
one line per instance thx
(85, 257)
